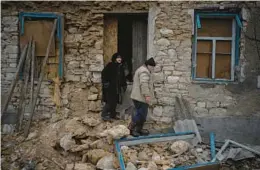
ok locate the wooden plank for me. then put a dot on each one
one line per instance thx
(32, 107)
(203, 69)
(32, 74)
(19, 68)
(40, 30)
(215, 27)
(223, 47)
(204, 46)
(139, 43)
(223, 66)
(110, 37)
(24, 87)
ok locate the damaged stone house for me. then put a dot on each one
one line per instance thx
(206, 52)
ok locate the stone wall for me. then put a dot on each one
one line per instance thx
(170, 44)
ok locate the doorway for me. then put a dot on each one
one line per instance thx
(127, 34)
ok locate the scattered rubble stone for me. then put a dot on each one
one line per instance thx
(95, 155)
(106, 162)
(152, 166)
(66, 142)
(180, 147)
(130, 166)
(80, 166)
(116, 132)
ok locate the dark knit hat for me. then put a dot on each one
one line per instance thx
(150, 62)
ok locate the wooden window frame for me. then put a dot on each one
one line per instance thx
(236, 25)
(59, 32)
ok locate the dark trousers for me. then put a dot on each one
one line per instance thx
(110, 108)
(141, 112)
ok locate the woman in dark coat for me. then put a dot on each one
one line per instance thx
(113, 83)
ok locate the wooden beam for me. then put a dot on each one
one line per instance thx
(19, 68)
(32, 107)
(24, 84)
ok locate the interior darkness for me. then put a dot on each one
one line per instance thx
(125, 39)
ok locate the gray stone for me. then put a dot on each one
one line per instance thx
(93, 89)
(73, 30)
(158, 77)
(172, 54)
(158, 110)
(163, 42)
(96, 68)
(168, 68)
(201, 111)
(96, 77)
(80, 166)
(167, 73)
(72, 77)
(152, 166)
(93, 97)
(212, 104)
(66, 142)
(8, 129)
(168, 111)
(10, 49)
(172, 79)
(201, 104)
(177, 73)
(217, 111)
(184, 80)
(106, 162)
(130, 166)
(73, 64)
(166, 32)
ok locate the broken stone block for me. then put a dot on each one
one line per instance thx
(90, 121)
(173, 79)
(142, 156)
(95, 155)
(76, 129)
(180, 147)
(166, 32)
(152, 166)
(201, 111)
(163, 42)
(80, 147)
(217, 111)
(93, 97)
(201, 104)
(66, 142)
(116, 132)
(106, 162)
(158, 110)
(130, 166)
(80, 166)
(156, 157)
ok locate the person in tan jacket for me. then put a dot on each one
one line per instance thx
(141, 96)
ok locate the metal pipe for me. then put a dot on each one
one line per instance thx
(212, 145)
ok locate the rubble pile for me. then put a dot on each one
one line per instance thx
(87, 143)
(164, 155)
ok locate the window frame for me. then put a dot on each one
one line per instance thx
(59, 32)
(236, 26)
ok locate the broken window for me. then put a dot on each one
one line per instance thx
(215, 47)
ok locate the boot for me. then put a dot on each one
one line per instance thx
(133, 129)
(143, 132)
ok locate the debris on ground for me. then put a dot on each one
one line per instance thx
(79, 143)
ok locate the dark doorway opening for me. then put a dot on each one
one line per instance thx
(131, 40)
